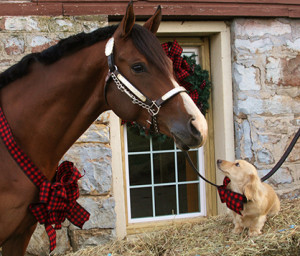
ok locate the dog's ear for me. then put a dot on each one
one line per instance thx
(251, 189)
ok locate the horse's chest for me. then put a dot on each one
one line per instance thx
(16, 193)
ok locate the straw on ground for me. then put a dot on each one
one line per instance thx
(212, 237)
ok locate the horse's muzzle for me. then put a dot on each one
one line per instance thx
(190, 135)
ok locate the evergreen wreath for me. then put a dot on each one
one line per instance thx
(190, 75)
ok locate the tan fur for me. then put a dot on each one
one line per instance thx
(262, 199)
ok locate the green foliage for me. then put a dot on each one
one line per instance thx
(200, 82)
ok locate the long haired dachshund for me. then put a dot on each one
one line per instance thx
(261, 197)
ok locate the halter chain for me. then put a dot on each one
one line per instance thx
(137, 97)
(134, 99)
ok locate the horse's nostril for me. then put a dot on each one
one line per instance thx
(194, 129)
(219, 161)
(195, 132)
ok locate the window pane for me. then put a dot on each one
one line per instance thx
(164, 168)
(165, 200)
(139, 170)
(185, 171)
(188, 198)
(141, 202)
(162, 143)
(135, 141)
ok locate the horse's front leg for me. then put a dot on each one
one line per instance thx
(17, 244)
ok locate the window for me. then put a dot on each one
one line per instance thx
(160, 183)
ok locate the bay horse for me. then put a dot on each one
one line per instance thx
(50, 98)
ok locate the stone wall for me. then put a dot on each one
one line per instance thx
(266, 84)
(266, 77)
(20, 36)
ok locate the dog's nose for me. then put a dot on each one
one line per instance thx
(219, 161)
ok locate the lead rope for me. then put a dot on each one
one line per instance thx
(284, 156)
(187, 156)
(267, 176)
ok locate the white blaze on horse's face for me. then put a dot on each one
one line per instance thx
(199, 121)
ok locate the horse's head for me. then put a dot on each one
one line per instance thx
(136, 53)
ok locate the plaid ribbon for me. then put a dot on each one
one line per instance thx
(57, 201)
(181, 68)
(233, 200)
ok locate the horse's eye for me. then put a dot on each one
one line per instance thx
(138, 68)
(237, 164)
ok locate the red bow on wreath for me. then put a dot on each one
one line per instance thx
(181, 67)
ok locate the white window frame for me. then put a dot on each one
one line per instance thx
(201, 195)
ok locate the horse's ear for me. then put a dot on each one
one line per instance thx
(153, 23)
(127, 21)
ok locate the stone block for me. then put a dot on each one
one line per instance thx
(278, 104)
(14, 45)
(250, 105)
(273, 70)
(246, 144)
(93, 160)
(290, 75)
(246, 78)
(87, 238)
(254, 47)
(104, 117)
(102, 212)
(21, 24)
(282, 176)
(39, 243)
(281, 104)
(293, 45)
(264, 156)
(260, 27)
(98, 133)
(90, 23)
(40, 42)
(63, 24)
(291, 194)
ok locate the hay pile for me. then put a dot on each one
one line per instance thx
(212, 237)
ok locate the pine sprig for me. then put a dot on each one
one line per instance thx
(200, 82)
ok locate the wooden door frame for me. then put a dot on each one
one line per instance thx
(221, 132)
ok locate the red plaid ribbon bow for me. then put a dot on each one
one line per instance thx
(58, 199)
(181, 67)
(233, 200)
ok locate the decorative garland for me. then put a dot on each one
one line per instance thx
(189, 75)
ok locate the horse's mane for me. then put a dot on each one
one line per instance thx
(142, 39)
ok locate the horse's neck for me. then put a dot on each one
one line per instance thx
(53, 105)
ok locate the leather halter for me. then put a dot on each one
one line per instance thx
(137, 97)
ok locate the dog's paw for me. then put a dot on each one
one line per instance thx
(254, 232)
(237, 230)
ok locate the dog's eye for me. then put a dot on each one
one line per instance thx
(237, 164)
